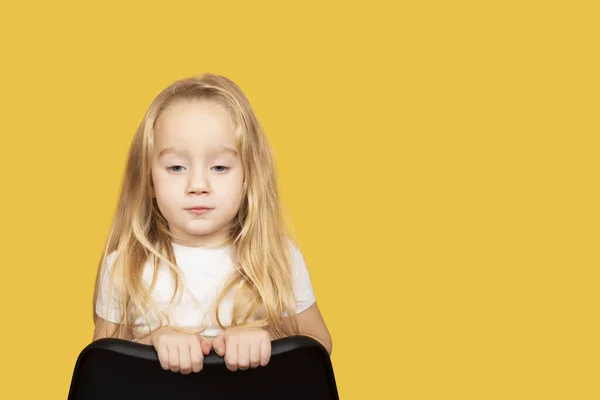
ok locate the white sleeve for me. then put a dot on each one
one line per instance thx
(303, 289)
(108, 301)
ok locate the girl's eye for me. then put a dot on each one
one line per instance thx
(176, 168)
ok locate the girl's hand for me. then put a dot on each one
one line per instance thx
(243, 348)
(179, 351)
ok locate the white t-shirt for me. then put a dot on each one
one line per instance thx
(203, 273)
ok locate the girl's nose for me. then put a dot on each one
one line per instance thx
(198, 183)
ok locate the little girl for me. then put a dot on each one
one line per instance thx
(198, 256)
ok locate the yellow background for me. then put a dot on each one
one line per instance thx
(439, 161)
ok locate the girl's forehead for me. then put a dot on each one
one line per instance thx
(194, 112)
(198, 132)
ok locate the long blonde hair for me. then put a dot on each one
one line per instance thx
(262, 275)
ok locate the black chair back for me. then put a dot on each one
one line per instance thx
(113, 369)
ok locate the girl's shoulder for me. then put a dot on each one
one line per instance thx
(108, 264)
(110, 258)
(293, 245)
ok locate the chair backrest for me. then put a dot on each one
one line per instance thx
(300, 368)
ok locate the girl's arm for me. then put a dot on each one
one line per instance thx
(106, 328)
(311, 323)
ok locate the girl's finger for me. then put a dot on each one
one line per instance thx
(231, 355)
(163, 356)
(196, 355)
(173, 358)
(185, 358)
(243, 359)
(265, 352)
(205, 344)
(218, 344)
(254, 354)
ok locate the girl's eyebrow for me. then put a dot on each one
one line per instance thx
(226, 149)
(171, 149)
(175, 150)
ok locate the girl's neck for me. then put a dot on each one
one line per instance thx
(222, 246)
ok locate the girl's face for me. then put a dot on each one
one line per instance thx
(196, 164)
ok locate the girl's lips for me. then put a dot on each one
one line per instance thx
(199, 210)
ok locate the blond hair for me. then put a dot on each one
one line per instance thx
(262, 275)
